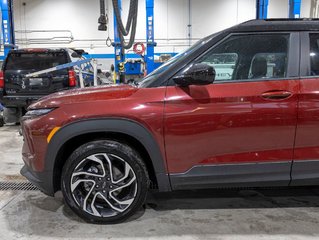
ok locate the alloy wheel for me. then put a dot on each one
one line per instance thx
(103, 185)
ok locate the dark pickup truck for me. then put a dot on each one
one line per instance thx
(17, 92)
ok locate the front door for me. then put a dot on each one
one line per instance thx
(239, 130)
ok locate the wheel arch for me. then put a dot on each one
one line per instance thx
(124, 130)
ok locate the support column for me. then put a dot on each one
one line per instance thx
(150, 44)
(7, 25)
(294, 8)
(119, 51)
(262, 9)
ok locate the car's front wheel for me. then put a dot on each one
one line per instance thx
(105, 181)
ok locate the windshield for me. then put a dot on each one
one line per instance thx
(152, 77)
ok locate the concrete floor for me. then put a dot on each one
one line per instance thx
(211, 214)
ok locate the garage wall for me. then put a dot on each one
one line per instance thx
(79, 17)
(213, 16)
(279, 9)
(171, 20)
(305, 9)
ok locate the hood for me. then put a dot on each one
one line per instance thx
(85, 95)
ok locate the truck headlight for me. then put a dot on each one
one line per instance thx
(37, 112)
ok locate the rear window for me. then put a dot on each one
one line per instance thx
(35, 61)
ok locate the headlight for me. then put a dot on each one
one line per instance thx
(38, 112)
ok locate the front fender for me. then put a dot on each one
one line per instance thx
(124, 126)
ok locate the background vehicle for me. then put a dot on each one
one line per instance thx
(252, 127)
(17, 92)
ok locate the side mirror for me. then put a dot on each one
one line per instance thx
(196, 74)
(75, 55)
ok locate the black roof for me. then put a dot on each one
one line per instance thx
(47, 50)
(279, 24)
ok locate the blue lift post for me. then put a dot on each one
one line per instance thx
(294, 8)
(150, 44)
(262, 9)
(119, 51)
(7, 25)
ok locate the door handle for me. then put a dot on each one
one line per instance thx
(276, 95)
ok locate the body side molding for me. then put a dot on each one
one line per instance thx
(305, 172)
(233, 175)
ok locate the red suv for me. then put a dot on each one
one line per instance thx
(239, 108)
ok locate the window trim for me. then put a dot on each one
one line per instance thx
(305, 64)
(293, 63)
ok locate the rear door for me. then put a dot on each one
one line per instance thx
(18, 64)
(305, 168)
(240, 130)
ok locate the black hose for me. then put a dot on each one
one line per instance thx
(132, 37)
(102, 7)
(103, 20)
(131, 23)
(132, 13)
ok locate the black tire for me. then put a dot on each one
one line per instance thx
(12, 115)
(1, 121)
(82, 156)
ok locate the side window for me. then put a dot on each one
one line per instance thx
(224, 64)
(314, 54)
(276, 64)
(243, 57)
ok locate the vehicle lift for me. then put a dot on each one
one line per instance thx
(7, 26)
(294, 8)
(76, 65)
(120, 69)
